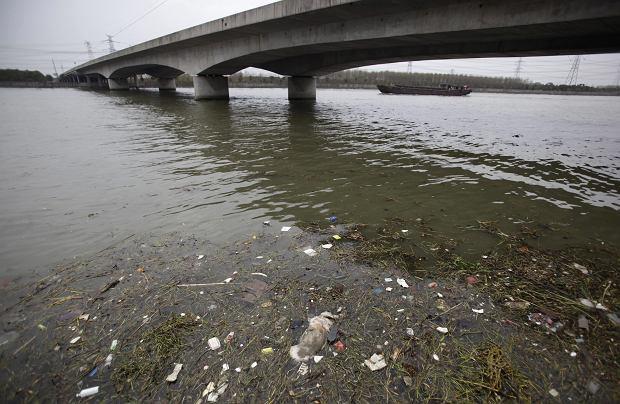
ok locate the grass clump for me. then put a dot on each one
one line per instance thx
(152, 357)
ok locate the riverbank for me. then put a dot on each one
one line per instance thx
(514, 324)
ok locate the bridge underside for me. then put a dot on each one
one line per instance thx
(340, 34)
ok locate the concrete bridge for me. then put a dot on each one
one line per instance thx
(304, 39)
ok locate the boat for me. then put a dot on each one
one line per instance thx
(443, 89)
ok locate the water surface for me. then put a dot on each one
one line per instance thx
(81, 170)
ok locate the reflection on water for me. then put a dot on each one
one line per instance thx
(80, 170)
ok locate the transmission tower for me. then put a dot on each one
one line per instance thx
(573, 73)
(89, 49)
(518, 68)
(110, 42)
(409, 67)
(55, 71)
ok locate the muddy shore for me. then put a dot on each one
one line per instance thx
(513, 325)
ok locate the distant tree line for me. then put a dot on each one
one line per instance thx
(369, 79)
(24, 75)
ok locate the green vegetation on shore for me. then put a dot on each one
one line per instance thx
(23, 75)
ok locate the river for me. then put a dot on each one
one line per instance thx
(82, 170)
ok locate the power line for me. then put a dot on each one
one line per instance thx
(89, 49)
(110, 43)
(141, 17)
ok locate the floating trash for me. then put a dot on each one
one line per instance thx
(286, 228)
(74, 340)
(310, 252)
(314, 338)
(442, 330)
(214, 343)
(375, 362)
(91, 391)
(402, 282)
(327, 246)
(172, 377)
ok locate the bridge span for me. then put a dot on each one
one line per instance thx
(303, 39)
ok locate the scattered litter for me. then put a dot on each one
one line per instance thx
(41, 327)
(376, 362)
(267, 351)
(266, 304)
(327, 246)
(210, 388)
(593, 386)
(405, 231)
(471, 280)
(91, 391)
(93, 372)
(286, 228)
(409, 332)
(377, 291)
(408, 380)
(388, 289)
(200, 257)
(172, 377)
(336, 237)
(613, 317)
(587, 303)
(601, 307)
(84, 317)
(333, 219)
(388, 279)
(439, 295)
(581, 268)
(253, 365)
(214, 343)
(267, 223)
(108, 360)
(310, 252)
(229, 337)
(479, 311)
(314, 338)
(436, 357)
(238, 370)
(517, 305)
(400, 310)
(74, 340)
(317, 358)
(260, 257)
(340, 346)
(554, 392)
(432, 285)
(573, 354)
(259, 274)
(221, 388)
(582, 321)
(269, 260)
(442, 330)
(332, 335)
(227, 280)
(303, 369)
(402, 282)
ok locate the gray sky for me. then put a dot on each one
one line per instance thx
(33, 32)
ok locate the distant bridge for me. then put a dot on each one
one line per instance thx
(304, 39)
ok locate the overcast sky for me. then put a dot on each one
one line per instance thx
(33, 32)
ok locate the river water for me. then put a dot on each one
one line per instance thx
(81, 170)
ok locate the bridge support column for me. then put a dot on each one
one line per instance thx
(167, 84)
(118, 84)
(301, 88)
(211, 88)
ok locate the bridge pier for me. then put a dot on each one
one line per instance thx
(118, 84)
(210, 88)
(301, 88)
(167, 84)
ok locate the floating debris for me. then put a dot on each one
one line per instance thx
(317, 358)
(340, 346)
(327, 246)
(388, 289)
(582, 322)
(587, 303)
(436, 357)
(286, 228)
(613, 317)
(375, 362)
(517, 305)
(580, 268)
(471, 280)
(108, 360)
(336, 237)
(253, 365)
(333, 219)
(84, 317)
(311, 252)
(172, 377)
(402, 282)
(267, 351)
(593, 386)
(442, 330)
(201, 257)
(478, 311)
(91, 391)
(214, 343)
(259, 274)
(388, 280)
(314, 338)
(554, 392)
(432, 285)
(113, 344)
(74, 340)
(303, 369)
